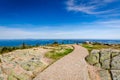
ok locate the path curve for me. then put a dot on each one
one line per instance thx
(71, 67)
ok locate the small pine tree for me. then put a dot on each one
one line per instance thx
(37, 44)
(23, 45)
(4, 49)
(55, 43)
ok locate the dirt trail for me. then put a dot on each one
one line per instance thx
(71, 67)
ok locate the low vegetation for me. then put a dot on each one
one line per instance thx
(99, 46)
(9, 49)
(58, 52)
(57, 55)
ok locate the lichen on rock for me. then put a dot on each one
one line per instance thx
(109, 62)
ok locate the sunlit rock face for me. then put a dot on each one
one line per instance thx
(109, 62)
(22, 64)
(25, 64)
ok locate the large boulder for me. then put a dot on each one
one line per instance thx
(105, 54)
(115, 52)
(93, 58)
(105, 64)
(115, 64)
(109, 62)
(105, 58)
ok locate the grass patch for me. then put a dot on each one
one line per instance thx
(57, 54)
(90, 47)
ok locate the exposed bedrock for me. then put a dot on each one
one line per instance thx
(109, 62)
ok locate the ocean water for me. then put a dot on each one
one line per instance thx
(50, 41)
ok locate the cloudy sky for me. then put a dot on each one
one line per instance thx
(59, 19)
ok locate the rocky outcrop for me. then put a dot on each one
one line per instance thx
(109, 62)
(22, 64)
(25, 64)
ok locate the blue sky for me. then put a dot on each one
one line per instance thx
(59, 19)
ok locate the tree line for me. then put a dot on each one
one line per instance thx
(9, 49)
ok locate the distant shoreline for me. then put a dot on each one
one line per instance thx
(32, 42)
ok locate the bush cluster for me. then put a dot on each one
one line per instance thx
(9, 49)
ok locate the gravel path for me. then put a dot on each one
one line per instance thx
(70, 67)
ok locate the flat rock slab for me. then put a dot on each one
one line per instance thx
(71, 67)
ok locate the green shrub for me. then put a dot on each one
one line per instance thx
(9, 49)
(57, 55)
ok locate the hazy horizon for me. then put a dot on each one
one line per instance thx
(60, 19)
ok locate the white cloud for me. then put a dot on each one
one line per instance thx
(90, 7)
(109, 29)
(109, 24)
